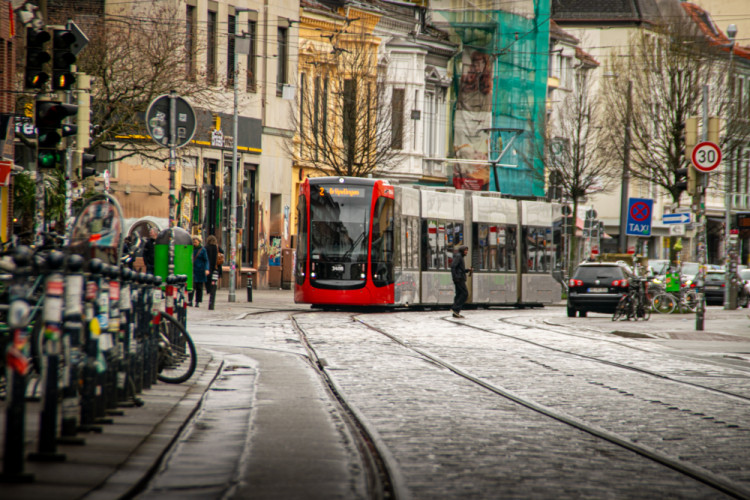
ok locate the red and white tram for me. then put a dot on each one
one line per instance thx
(367, 242)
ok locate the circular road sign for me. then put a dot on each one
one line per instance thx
(640, 211)
(158, 123)
(706, 156)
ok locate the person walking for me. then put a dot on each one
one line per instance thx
(149, 250)
(214, 269)
(458, 273)
(200, 271)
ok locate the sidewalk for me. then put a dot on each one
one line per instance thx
(113, 463)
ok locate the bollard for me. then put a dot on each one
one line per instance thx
(124, 375)
(113, 355)
(15, 410)
(91, 345)
(249, 287)
(72, 330)
(52, 315)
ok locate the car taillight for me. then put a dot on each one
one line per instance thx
(620, 283)
(574, 283)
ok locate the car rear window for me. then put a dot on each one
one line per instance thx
(599, 272)
(714, 277)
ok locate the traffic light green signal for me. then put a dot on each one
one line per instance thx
(36, 57)
(48, 118)
(49, 158)
(62, 59)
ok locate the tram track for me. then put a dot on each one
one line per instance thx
(723, 484)
(383, 476)
(743, 398)
(715, 480)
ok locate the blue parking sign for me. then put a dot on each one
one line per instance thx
(640, 211)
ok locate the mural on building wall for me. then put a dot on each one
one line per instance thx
(473, 118)
(504, 58)
(286, 222)
(274, 251)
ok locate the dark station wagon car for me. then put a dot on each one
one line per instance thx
(597, 287)
(715, 286)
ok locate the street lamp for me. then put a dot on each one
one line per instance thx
(730, 294)
(239, 48)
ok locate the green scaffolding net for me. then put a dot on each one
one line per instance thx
(499, 90)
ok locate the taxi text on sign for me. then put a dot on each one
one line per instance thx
(640, 211)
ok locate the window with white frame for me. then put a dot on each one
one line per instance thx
(434, 120)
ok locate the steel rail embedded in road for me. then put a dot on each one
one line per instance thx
(385, 480)
(643, 371)
(716, 481)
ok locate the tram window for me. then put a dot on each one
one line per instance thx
(494, 247)
(481, 258)
(414, 243)
(458, 235)
(507, 245)
(402, 243)
(301, 259)
(442, 262)
(382, 242)
(538, 250)
(339, 227)
(409, 243)
(429, 244)
(481, 255)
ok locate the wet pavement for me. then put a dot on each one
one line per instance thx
(278, 423)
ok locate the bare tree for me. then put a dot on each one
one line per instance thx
(575, 154)
(668, 68)
(348, 120)
(133, 58)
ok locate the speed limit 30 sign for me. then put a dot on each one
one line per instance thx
(706, 156)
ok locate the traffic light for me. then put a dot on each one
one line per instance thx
(686, 180)
(48, 118)
(36, 57)
(85, 160)
(62, 59)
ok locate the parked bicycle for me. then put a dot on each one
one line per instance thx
(685, 301)
(635, 304)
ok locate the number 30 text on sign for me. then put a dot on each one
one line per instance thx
(706, 156)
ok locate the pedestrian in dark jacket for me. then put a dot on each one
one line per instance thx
(149, 250)
(213, 250)
(200, 271)
(458, 273)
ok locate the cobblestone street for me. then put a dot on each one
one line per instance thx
(453, 438)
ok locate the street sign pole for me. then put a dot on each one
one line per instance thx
(172, 168)
(700, 211)
(170, 121)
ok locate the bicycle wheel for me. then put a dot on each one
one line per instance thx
(644, 309)
(622, 309)
(690, 301)
(177, 358)
(664, 303)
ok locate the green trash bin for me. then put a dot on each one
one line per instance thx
(183, 255)
(673, 282)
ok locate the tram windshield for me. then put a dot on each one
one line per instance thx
(339, 222)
